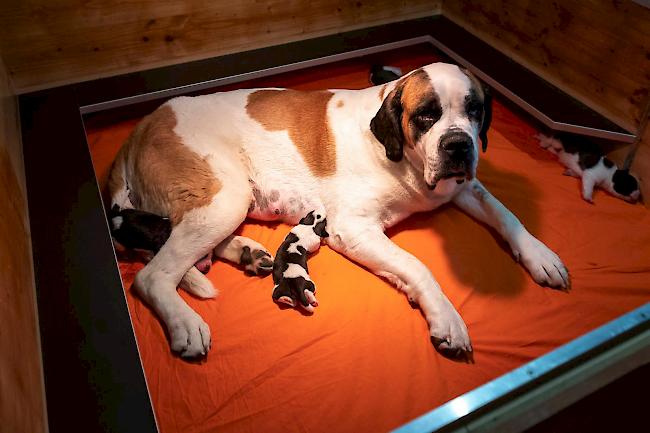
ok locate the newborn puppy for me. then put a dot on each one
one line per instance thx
(140, 230)
(290, 273)
(584, 160)
(384, 74)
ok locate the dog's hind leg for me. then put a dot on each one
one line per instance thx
(244, 251)
(199, 231)
(589, 182)
(147, 233)
(117, 187)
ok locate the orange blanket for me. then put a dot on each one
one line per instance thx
(363, 361)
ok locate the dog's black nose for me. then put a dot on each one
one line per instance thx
(456, 144)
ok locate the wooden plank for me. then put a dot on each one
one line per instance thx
(21, 382)
(596, 51)
(93, 376)
(52, 43)
(641, 166)
(10, 128)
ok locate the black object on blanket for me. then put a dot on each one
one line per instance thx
(383, 74)
(140, 230)
(136, 229)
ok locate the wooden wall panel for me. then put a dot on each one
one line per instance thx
(21, 385)
(10, 129)
(641, 166)
(596, 50)
(46, 43)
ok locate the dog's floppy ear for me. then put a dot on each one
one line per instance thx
(387, 125)
(487, 117)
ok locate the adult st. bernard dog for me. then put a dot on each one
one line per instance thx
(365, 158)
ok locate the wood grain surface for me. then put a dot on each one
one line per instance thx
(50, 43)
(598, 51)
(21, 384)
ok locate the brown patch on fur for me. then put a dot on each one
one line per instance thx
(416, 91)
(166, 177)
(115, 179)
(382, 92)
(304, 116)
(340, 104)
(246, 258)
(408, 136)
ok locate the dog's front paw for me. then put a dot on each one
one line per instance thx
(257, 261)
(189, 335)
(449, 334)
(296, 291)
(544, 265)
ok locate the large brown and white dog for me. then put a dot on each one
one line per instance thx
(365, 158)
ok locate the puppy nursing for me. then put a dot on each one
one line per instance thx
(365, 158)
(290, 272)
(139, 230)
(586, 161)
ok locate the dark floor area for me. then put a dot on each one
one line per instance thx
(621, 406)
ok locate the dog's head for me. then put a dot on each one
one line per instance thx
(436, 116)
(625, 186)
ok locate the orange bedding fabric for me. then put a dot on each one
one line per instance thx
(363, 361)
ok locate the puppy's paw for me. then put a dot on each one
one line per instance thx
(296, 292)
(588, 198)
(256, 261)
(189, 335)
(544, 265)
(449, 334)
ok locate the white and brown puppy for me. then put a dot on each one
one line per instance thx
(585, 160)
(293, 285)
(368, 158)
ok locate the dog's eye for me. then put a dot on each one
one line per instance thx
(427, 117)
(475, 111)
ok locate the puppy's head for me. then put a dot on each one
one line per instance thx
(625, 186)
(436, 116)
(318, 221)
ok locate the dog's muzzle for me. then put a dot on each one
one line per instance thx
(456, 158)
(456, 148)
